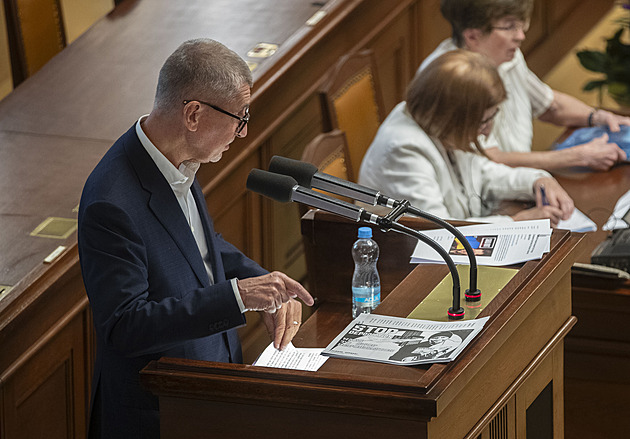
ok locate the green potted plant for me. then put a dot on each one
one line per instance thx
(613, 62)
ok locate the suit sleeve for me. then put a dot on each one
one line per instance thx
(130, 315)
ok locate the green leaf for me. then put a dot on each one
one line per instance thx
(593, 60)
(592, 85)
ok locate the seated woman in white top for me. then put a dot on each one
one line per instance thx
(426, 151)
(496, 29)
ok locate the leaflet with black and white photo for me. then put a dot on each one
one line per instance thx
(493, 244)
(397, 340)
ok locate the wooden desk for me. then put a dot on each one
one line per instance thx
(595, 194)
(597, 351)
(513, 369)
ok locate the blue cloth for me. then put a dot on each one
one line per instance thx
(147, 285)
(584, 135)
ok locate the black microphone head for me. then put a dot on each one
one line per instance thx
(275, 186)
(302, 172)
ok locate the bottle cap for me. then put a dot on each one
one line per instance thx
(365, 232)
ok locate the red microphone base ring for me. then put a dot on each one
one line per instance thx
(455, 314)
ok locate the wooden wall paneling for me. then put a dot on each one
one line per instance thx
(558, 10)
(36, 34)
(566, 23)
(45, 396)
(6, 80)
(236, 215)
(392, 54)
(538, 27)
(284, 251)
(597, 356)
(46, 355)
(432, 28)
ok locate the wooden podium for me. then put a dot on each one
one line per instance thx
(508, 383)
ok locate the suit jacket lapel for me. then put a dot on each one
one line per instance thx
(164, 204)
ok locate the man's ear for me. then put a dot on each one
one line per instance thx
(472, 37)
(191, 115)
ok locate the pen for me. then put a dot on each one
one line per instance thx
(545, 201)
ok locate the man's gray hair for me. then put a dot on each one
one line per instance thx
(201, 69)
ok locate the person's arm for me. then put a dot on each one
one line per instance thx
(568, 111)
(552, 202)
(598, 154)
(283, 316)
(498, 181)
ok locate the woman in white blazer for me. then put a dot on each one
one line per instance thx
(427, 151)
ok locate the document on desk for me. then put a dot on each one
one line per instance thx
(493, 244)
(578, 223)
(292, 358)
(396, 340)
(616, 220)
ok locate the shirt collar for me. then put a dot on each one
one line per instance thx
(180, 179)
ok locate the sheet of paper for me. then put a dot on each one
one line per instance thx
(578, 223)
(493, 244)
(615, 222)
(292, 358)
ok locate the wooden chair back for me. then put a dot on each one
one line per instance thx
(329, 152)
(352, 102)
(36, 34)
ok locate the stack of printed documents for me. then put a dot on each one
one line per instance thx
(493, 244)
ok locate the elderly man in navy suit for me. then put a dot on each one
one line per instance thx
(160, 280)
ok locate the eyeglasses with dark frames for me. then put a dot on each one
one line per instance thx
(242, 121)
(514, 27)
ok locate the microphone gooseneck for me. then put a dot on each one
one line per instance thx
(307, 174)
(284, 188)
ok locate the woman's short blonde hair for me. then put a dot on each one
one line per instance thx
(449, 97)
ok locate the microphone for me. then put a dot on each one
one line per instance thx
(283, 188)
(307, 175)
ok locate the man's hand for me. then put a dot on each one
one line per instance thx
(283, 324)
(268, 293)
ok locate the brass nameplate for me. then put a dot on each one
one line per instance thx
(4, 290)
(54, 254)
(262, 50)
(56, 228)
(490, 281)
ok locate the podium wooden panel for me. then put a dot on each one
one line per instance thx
(513, 369)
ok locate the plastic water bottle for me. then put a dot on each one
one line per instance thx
(366, 284)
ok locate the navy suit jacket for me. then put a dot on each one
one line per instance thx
(148, 287)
